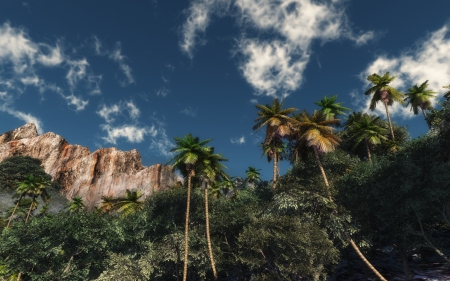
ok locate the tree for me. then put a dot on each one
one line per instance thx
(419, 97)
(211, 169)
(252, 175)
(33, 187)
(16, 169)
(278, 124)
(381, 91)
(37, 187)
(130, 203)
(446, 94)
(188, 151)
(76, 205)
(330, 108)
(366, 130)
(313, 131)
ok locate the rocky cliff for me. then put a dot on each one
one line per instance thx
(105, 172)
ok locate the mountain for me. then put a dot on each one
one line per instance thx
(104, 172)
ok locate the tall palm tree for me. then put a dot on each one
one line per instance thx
(21, 190)
(381, 91)
(278, 124)
(188, 151)
(419, 97)
(314, 132)
(211, 170)
(108, 204)
(38, 188)
(330, 108)
(252, 175)
(366, 130)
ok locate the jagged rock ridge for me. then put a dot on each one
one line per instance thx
(105, 172)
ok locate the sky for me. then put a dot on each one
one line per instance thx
(134, 75)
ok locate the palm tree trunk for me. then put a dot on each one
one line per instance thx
(352, 243)
(186, 227)
(316, 154)
(18, 276)
(426, 118)
(368, 151)
(389, 119)
(275, 169)
(208, 237)
(14, 211)
(29, 210)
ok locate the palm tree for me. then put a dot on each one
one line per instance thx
(130, 203)
(366, 130)
(76, 205)
(33, 187)
(108, 204)
(278, 124)
(383, 92)
(313, 132)
(211, 169)
(330, 108)
(37, 189)
(252, 175)
(419, 97)
(188, 151)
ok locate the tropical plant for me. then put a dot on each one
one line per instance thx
(37, 188)
(446, 94)
(330, 108)
(313, 132)
(278, 124)
(76, 205)
(211, 169)
(129, 204)
(419, 97)
(188, 151)
(381, 91)
(108, 204)
(366, 130)
(252, 175)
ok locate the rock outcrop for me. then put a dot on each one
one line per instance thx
(105, 172)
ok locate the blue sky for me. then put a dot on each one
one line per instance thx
(137, 74)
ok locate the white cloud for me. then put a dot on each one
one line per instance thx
(110, 112)
(274, 67)
(161, 144)
(26, 117)
(429, 60)
(189, 111)
(254, 101)
(78, 102)
(270, 67)
(77, 71)
(53, 58)
(132, 110)
(131, 133)
(163, 92)
(117, 56)
(239, 141)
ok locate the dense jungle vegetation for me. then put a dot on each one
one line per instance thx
(356, 184)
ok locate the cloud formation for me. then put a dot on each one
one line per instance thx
(189, 111)
(274, 67)
(116, 55)
(239, 141)
(429, 60)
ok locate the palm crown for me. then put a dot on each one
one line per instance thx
(419, 97)
(382, 91)
(330, 108)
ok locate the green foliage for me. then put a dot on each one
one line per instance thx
(69, 246)
(18, 168)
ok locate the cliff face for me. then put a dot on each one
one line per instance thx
(105, 172)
